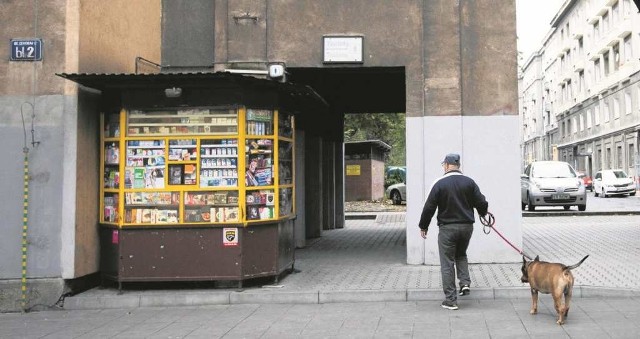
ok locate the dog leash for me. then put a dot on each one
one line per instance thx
(488, 221)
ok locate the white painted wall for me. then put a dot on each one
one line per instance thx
(489, 148)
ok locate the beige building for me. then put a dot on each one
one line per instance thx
(580, 92)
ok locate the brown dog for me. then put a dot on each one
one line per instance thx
(551, 278)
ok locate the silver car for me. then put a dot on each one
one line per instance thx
(552, 183)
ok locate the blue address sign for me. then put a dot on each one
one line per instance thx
(26, 49)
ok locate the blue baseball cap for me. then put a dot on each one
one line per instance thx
(452, 159)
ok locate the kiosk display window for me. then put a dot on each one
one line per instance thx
(186, 166)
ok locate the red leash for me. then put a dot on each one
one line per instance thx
(488, 221)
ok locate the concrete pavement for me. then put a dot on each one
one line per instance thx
(365, 262)
(483, 318)
(353, 282)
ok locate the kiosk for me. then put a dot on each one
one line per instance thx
(197, 176)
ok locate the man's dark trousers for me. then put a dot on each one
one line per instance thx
(453, 240)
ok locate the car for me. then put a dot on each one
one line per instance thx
(613, 182)
(397, 193)
(397, 190)
(552, 183)
(588, 182)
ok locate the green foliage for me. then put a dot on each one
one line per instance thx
(387, 127)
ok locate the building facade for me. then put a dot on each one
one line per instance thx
(580, 92)
(449, 65)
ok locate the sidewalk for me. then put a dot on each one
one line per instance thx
(365, 262)
(508, 318)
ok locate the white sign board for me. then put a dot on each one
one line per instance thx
(342, 49)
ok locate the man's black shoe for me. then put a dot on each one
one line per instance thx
(465, 290)
(450, 305)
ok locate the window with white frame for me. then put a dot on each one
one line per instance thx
(632, 155)
(589, 119)
(596, 115)
(574, 124)
(616, 108)
(628, 49)
(626, 7)
(580, 82)
(596, 30)
(615, 13)
(619, 157)
(627, 103)
(605, 63)
(581, 122)
(596, 70)
(605, 22)
(616, 56)
(607, 113)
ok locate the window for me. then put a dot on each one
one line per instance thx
(574, 124)
(626, 7)
(607, 113)
(596, 70)
(569, 90)
(616, 56)
(616, 108)
(615, 13)
(580, 46)
(563, 131)
(628, 50)
(589, 118)
(581, 122)
(605, 58)
(607, 158)
(596, 30)
(596, 115)
(627, 103)
(619, 156)
(632, 155)
(580, 82)
(605, 22)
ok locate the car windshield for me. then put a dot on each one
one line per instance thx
(552, 170)
(614, 174)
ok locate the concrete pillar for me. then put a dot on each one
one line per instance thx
(339, 184)
(300, 231)
(313, 186)
(470, 108)
(328, 187)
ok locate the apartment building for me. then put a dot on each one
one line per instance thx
(580, 92)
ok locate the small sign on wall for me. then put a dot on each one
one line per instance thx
(230, 236)
(26, 49)
(342, 49)
(353, 169)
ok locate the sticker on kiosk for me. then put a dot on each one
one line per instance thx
(230, 236)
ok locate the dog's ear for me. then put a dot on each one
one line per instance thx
(537, 258)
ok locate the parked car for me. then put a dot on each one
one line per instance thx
(588, 182)
(552, 183)
(613, 182)
(397, 191)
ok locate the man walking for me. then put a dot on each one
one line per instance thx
(454, 196)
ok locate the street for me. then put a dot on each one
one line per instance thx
(599, 204)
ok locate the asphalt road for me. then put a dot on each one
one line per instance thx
(614, 204)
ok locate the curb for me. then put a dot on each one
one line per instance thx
(110, 299)
(373, 215)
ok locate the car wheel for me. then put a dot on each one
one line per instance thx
(603, 193)
(530, 205)
(595, 193)
(632, 194)
(582, 208)
(522, 205)
(396, 198)
(566, 208)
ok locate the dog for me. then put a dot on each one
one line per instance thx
(551, 278)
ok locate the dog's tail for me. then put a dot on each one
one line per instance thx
(578, 264)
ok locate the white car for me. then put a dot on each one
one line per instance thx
(397, 193)
(613, 182)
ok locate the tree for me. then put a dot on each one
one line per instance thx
(387, 127)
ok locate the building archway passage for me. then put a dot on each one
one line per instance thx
(346, 90)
